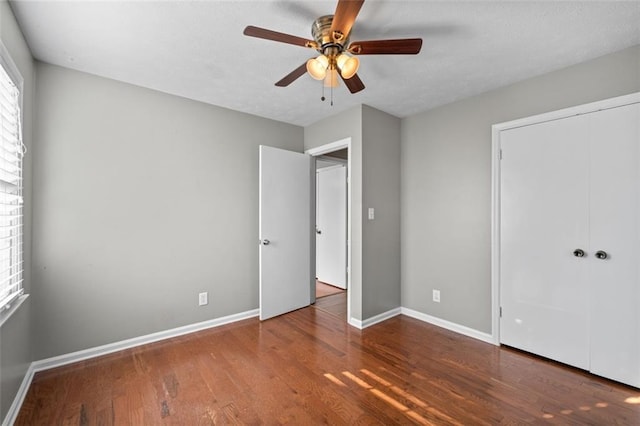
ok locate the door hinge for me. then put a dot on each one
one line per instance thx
(500, 154)
(500, 311)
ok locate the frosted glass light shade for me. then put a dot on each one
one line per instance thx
(348, 65)
(331, 80)
(317, 67)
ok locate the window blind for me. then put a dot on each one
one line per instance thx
(11, 153)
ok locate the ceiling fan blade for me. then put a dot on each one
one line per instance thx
(345, 16)
(354, 84)
(276, 36)
(292, 76)
(405, 46)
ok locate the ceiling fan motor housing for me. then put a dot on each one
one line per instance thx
(328, 44)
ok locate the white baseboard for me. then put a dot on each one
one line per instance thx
(451, 326)
(12, 414)
(59, 361)
(355, 323)
(375, 319)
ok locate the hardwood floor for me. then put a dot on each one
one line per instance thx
(324, 289)
(310, 367)
(335, 304)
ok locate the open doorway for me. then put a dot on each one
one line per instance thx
(332, 228)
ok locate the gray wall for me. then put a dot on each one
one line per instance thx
(375, 182)
(15, 334)
(380, 190)
(446, 182)
(346, 124)
(142, 201)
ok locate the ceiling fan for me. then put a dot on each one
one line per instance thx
(337, 55)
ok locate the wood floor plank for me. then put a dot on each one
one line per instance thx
(335, 304)
(310, 367)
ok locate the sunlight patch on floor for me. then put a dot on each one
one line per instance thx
(356, 380)
(375, 377)
(568, 412)
(386, 397)
(633, 400)
(334, 379)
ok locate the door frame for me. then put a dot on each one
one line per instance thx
(496, 153)
(318, 151)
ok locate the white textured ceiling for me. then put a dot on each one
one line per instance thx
(196, 49)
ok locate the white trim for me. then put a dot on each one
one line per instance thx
(330, 147)
(571, 111)
(451, 326)
(327, 168)
(329, 159)
(381, 317)
(495, 234)
(97, 351)
(496, 129)
(14, 410)
(375, 319)
(59, 361)
(6, 313)
(7, 62)
(325, 149)
(355, 323)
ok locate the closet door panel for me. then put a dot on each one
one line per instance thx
(331, 242)
(544, 218)
(615, 229)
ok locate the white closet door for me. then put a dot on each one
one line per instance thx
(615, 229)
(331, 223)
(544, 218)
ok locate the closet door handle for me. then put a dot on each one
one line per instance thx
(578, 253)
(601, 254)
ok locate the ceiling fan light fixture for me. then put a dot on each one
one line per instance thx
(317, 67)
(331, 80)
(348, 65)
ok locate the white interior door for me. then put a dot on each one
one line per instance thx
(615, 230)
(285, 231)
(544, 218)
(331, 224)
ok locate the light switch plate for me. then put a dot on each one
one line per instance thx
(372, 213)
(203, 298)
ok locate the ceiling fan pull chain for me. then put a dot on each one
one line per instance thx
(322, 98)
(332, 95)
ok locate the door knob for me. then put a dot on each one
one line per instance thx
(601, 254)
(578, 253)
(265, 242)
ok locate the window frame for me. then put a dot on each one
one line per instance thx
(16, 78)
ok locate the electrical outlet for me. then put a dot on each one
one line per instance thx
(436, 296)
(203, 298)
